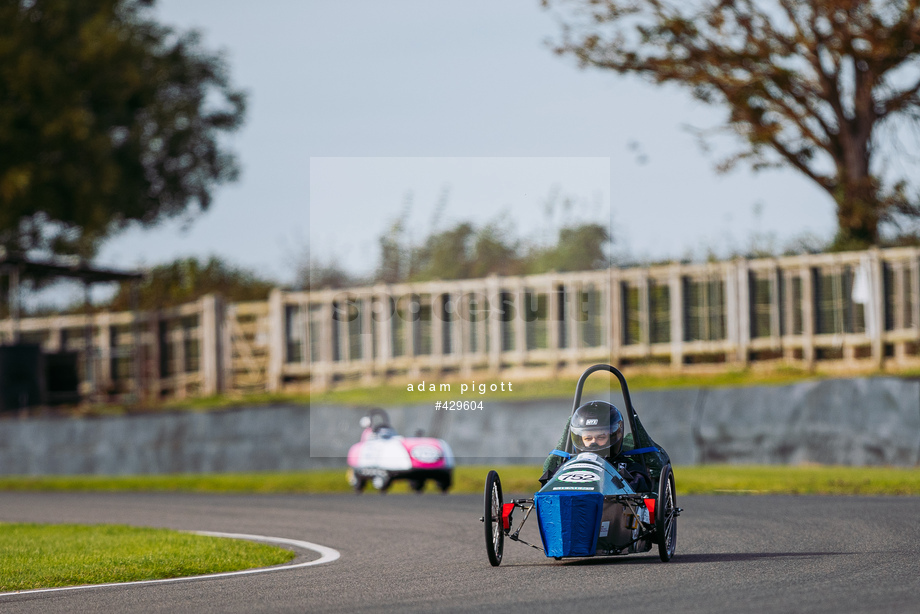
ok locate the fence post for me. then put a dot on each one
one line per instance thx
(730, 306)
(177, 337)
(676, 295)
(573, 316)
(154, 357)
(386, 311)
(877, 278)
(89, 375)
(466, 331)
(808, 316)
(367, 335)
(276, 337)
(481, 296)
(496, 342)
(326, 341)
(225, 360)
(645, 316)
(614, 315)
(520, 321)
(776, 333)
(211, 341)
(743, 309)
(553, 319)
(437, 328)
(457, 348)
(105, 353)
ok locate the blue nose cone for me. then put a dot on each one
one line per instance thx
(569, 521)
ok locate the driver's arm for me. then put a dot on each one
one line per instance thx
(634, 473)
(553, 461)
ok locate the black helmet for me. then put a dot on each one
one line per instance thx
(595, 418)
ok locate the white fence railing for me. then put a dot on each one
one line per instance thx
(851, 309)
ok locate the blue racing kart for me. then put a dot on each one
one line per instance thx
(588, 508)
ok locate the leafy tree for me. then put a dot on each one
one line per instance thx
(106, 118)
(187, 279)
(496, 252)
(808, 84)
(445, 255)
(460, 252)
(314, 274)
(393, 255)
(579, 248)
(465, 252)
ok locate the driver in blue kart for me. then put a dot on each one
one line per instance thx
(598, 427)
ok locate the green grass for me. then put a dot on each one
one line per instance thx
(556, 388)
(797, 480)
(738, 479)
(519, 479)
(47, 556)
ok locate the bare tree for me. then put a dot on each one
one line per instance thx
(807, 84)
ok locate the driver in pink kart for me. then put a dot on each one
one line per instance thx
(598, 427)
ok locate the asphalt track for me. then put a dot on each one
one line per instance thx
(409, 553)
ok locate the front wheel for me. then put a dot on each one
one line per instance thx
(666, 515)
(382, 482)
(492, 518)
(356, 481)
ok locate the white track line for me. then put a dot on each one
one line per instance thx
(327, 555)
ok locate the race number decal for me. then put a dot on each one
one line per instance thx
(580, 476)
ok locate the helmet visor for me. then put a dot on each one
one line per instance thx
(591, 439)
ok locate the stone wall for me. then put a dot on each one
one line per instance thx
(847, 422)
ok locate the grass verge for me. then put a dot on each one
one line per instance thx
(478, 390)
(555, 388)
(47, 556)
(468, 479)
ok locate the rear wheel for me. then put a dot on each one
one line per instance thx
(666, 515)
(492, 518)
(445, 482)
(417, 485)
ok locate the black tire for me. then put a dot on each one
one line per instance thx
(417, 486)
(492, 518)
(445, 482)
(665, 515)
(357, 482)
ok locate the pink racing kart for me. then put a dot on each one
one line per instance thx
(382, 456)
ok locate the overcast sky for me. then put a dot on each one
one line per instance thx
(358, 107)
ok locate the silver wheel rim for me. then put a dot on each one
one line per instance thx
(669, 518)
(496, 519)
